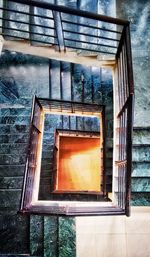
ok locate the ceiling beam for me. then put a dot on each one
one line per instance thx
(49, 52)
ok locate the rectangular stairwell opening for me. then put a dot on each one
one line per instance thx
(81, 37)
(78, 164)
(76, 171)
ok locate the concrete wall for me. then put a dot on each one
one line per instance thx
(138, 13)
(21, 77)
(20, 80)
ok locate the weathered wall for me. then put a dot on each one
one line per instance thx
(128, 236)
(138, 13)
(20, 80)
(21, 77)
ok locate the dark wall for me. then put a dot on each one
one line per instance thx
(21, 77)
(137, 12)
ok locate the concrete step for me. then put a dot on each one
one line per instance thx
(141, 169)
(14, 138)
(15, 120)
(13, 170)
(7, 111)
(11, 182)
(140, 184)
(14, 234)
(10, 198)
(140, 199)
(141, 153)
(7, 159)
(141, 135)
(13, 129)
(13, 148)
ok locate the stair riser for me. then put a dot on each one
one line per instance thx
(141, 137)
(140, 185)
(141, 154)
(141, 169)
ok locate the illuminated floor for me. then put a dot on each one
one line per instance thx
(114, 236)
(79, 164)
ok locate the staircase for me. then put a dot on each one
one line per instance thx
(66, 84)
(46, 236)
(47, 30)
(141, 167)
(41, 236)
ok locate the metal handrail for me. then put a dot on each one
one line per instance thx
(64, 39)
(63, 9)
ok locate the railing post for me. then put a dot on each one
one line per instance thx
(129, 154)
(129, 118)
(1, 43)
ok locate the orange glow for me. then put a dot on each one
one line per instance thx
(79, 164)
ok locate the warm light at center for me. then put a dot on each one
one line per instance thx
(79, 164)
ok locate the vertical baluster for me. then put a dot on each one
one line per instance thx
(119, 91)
(83, 87)
(129, 60)
(119, 183)
(83, 123)
(119, 139)
(122, 78)
(120, 85)
(76, 123)
(62, 121)
(71, 70)
(60, 74)
(92, 87)
(124, 183)
(69, 123)
(124, 73)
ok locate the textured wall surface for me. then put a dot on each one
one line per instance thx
(138, 13)
(23, 76)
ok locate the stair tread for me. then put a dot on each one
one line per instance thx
(141, 128)
(141, 145)
(142, 177)
(137, 161)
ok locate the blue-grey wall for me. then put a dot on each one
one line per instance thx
(138, 13)
(21, 77)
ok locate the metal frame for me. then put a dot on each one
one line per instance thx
(78, 134)
(30, 202)
(123, 120)
(105, 38)
(118, 45)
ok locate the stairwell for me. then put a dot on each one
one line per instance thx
(41, 236)
(48, 236)
(141, 167)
